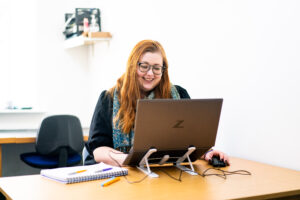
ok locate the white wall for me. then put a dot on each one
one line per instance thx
(243, 51)
(18, 52)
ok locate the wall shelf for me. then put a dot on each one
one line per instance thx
(19, 111)
(91, 38)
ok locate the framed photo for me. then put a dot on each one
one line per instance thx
(93, 16)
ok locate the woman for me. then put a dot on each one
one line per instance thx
(146, 76)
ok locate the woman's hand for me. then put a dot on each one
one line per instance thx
(109, 156)
(208, 156)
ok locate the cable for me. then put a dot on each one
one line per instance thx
(219, 175)
(138, 181)
(176, 179)
(224, 173)
(204, 173)
(128, 181)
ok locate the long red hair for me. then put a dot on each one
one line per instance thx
(128, 88)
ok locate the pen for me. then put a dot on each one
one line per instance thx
(77, 172)
(110, 181)
(103, 170)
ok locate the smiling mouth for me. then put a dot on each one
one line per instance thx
(148, 80)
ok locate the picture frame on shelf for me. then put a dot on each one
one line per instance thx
(82, 20)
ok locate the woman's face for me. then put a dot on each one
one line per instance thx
(147, 79)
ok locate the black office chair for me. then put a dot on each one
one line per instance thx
(59, 143)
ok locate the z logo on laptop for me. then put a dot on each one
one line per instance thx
(179, 124)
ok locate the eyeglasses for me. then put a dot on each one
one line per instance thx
(156, 69)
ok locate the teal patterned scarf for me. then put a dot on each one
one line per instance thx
(123, 141)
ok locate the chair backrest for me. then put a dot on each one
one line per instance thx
(59, 131)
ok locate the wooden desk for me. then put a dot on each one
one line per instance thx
(19, 138)
(266, 182)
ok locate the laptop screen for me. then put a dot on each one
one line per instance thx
(172, 126)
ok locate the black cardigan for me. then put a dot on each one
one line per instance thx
(101, 126)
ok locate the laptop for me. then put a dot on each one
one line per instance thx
(172, 126)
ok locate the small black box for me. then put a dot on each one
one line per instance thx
(70, 25)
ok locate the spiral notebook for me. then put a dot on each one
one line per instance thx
(83, 173)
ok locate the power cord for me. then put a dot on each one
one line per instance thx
(119, 165)
(224, 172)
(176, 179)
(204, 174)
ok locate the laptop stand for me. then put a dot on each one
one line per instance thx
(164, 159)
(144, 162)
(181, 159)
